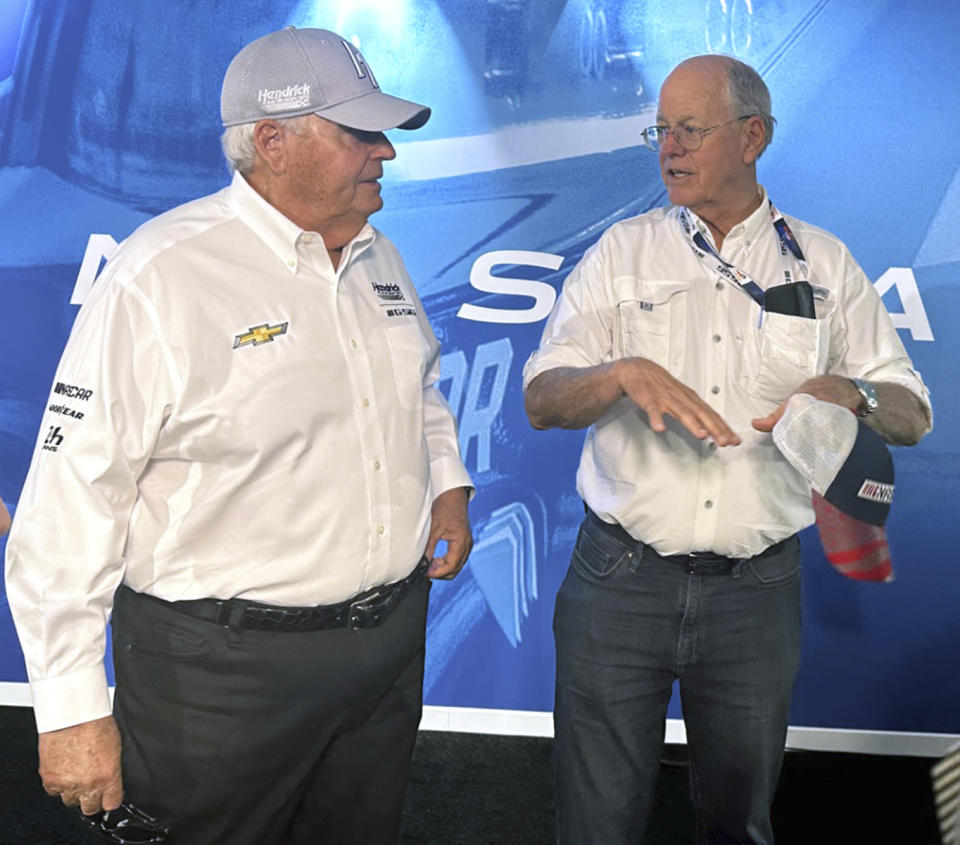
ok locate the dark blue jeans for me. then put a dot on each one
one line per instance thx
(627, 623)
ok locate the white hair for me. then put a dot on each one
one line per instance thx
(749, 95)
(239, 148)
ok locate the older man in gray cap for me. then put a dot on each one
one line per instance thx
(256, 483)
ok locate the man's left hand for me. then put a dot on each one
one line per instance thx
(836, 389)
(449, 521)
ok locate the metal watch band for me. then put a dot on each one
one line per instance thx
(869, 397)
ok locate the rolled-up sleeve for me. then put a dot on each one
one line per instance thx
(866, 344)
(579, 331)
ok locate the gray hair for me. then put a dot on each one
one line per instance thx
(239, 148)
(749, 95)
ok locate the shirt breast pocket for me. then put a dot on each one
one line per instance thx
(652, 323)
(408, 356)
(792, 350)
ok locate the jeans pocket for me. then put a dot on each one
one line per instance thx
(165, 639)
(777, 569)
(597, 556)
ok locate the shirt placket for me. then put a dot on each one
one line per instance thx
(720, 348)
(354, 339)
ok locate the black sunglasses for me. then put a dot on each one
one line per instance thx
(127, 825)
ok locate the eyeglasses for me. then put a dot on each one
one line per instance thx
(687, 136)
(127, 825)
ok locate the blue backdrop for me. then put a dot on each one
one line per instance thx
(109, 114)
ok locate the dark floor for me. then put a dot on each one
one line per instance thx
(469, 789)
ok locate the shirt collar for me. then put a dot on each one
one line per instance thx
(278, 232)
(750, 229)
(756, 224)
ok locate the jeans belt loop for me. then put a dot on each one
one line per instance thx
(229, 615)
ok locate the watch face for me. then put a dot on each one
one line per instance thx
(869, 403)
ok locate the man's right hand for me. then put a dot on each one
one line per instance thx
(81, 764)
(657, 392)
(575, 397)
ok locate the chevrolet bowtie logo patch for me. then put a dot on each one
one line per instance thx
(259, 334)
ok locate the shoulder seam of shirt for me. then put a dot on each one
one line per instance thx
(143, 232)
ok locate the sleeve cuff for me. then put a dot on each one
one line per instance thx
(68, 700)
(448, 473)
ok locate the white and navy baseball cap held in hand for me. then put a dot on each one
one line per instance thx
(850, 470)
(311, 71)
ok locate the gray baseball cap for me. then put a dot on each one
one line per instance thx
(302, 71)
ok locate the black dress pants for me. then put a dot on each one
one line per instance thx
(266, 737)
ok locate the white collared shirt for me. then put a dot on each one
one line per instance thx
(231, 418)
(641, 291)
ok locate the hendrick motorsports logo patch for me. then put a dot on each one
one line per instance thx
(277, 99)
(258, 335)
(388, 292)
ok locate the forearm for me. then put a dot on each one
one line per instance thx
(572, 397)
(901, 418)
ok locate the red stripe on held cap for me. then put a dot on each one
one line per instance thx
(857, 553)
(856, 549)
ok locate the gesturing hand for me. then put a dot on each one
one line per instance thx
(657, 392)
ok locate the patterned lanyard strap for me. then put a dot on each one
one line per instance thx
(789, 249)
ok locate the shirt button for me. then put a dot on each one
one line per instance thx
(714, 390)
(353, 343)
(712, 447)
(716, 338)
(708, 504)
(366, 403)
(719, 285)
(291, 263)
(380, 529)
(376, 464)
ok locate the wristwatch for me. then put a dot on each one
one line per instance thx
(868, 402)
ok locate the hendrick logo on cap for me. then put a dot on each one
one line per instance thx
(291, 97)
(876, 491)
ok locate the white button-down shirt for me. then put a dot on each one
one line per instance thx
(231, 417)
(641, 291)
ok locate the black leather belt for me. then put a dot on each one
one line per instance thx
(366, 610)
(711, 561)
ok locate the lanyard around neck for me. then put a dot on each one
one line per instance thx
(789, 249)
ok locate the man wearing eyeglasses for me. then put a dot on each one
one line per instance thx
(676, 342)
(255, 477)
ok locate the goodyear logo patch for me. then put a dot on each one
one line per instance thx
(258, 335)
(65, 410)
